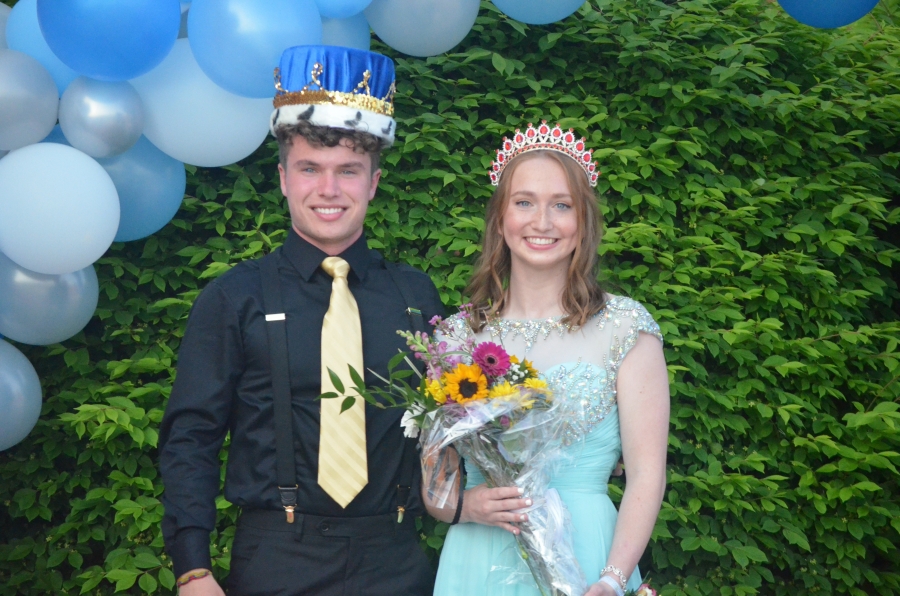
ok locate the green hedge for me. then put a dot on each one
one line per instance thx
(750, 165)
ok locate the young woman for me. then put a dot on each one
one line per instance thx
(535, 291)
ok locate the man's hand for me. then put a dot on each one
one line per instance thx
(495, 507)
(205, 586)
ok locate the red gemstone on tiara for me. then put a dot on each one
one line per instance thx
(592, 167)
(507, 145)
(519, 138)
(500, 157)
(586, 157)
(569, 138)
(579, 146)
(530, 132)
(544, 129)
(556, 132)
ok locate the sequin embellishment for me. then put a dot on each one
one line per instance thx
(593, 384)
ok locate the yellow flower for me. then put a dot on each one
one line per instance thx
(513, 359)
(466, 383)
(434, 389)
(528, 367)
(502, 390)
(535, 383)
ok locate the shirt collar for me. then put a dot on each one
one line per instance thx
(306, 258)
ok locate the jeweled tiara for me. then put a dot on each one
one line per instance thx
(551, 139)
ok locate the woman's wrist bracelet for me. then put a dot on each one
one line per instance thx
(612, 584)
(616, 572)
(191, 576)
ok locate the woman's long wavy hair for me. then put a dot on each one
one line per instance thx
(582, 297)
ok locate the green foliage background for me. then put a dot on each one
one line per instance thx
(750, 194)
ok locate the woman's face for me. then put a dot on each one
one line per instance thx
(540, 225)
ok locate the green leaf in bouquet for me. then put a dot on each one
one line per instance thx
(336, 381)
(329, 395)
(357, 380)
(347, 403)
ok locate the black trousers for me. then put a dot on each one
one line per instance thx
(327, 556)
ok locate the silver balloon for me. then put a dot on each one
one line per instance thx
(29, 101)
(40, 309)
(20, 396)
(101, 118)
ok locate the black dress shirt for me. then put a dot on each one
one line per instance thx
(223, 384)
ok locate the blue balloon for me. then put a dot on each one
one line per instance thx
(23, 33)
(538, 12)
(56, 136)
(350, 33)
(238, 43)
(341, 9)
(827, 14)
(20, 396)
(110, 40)
(150, 185)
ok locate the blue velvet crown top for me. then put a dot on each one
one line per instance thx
(342, 70)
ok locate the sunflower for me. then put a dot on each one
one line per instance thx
(535, 383)
(466, 383)
(528, 368)
(502, 390)
(434, 389)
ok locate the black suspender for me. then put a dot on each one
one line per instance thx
(276, 324)
(285, 467)
(415, 315)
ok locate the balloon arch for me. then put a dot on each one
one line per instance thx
(141, 88)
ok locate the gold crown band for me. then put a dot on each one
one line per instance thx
(338, 98)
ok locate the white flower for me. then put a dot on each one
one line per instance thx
(409, 423)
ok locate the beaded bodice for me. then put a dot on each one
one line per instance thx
(580, 364)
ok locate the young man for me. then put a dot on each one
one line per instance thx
(327, 499)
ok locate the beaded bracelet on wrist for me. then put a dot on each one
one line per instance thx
(191, 576)
(616, 572)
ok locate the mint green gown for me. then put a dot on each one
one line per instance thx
(583, 365)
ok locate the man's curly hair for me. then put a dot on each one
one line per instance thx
(327, 136)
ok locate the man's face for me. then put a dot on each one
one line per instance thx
(328, 190)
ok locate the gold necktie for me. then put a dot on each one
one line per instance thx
(343, 469)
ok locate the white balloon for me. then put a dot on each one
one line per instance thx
(4, 14)
(20, 396)
(60, 208)
(422, 27)
(190, 118)
(29, 100)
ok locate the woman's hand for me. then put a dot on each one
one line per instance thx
(494, 507)
(600, 589)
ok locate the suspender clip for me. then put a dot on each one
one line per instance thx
(289, 500)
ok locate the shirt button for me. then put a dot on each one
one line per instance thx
(324, 527)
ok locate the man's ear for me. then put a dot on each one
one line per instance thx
(281, 175)
(376, 177)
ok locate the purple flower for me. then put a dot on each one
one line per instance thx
(492, 359)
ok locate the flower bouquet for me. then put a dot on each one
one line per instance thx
(500, 416)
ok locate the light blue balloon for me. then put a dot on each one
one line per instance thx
(341, 9)
(538, 12)
(110, 40)
(40, 309)
(238, 43)
(422, 27)
(827, 14)
(350, 33)
(20, 396)
(60, 208)
(192, 119)
(4, 15)
(150, 185)
(23, 33)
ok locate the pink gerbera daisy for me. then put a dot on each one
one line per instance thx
(492, 359)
